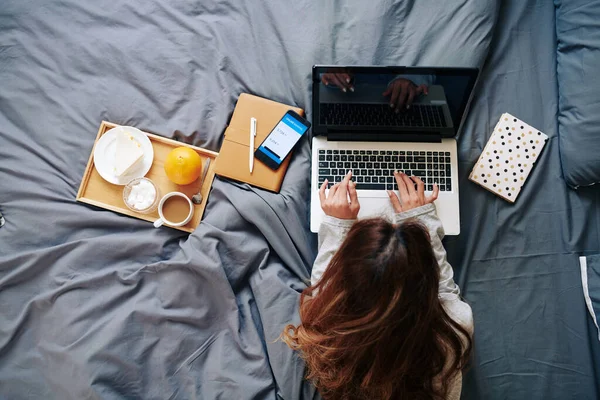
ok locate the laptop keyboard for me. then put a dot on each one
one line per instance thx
(381, 115)
(374, 169)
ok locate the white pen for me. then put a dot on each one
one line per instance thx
(252, 135)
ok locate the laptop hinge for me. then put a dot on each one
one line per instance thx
(375, 136)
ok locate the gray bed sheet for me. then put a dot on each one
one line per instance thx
(519, 266)
(96, 305)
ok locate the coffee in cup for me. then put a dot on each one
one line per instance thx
(174, 209)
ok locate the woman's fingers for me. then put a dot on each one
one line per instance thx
(401, 187)
(342, 201)
(434, 195)
(396, 205)
(339, 81)
(352, 194)
(354, 204)
(333, 190)
(342, 192)
(410, 186)
(322, 195)
(403, 94)
(420, 188)
(412, 92)
(348, 80)
(395, 94)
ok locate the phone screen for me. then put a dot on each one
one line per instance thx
(282, 139)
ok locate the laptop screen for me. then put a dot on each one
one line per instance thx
(391, 99)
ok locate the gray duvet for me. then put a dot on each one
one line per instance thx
(95, 305)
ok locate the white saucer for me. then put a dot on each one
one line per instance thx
(104, 156)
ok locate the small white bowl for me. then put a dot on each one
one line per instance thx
(127, 191)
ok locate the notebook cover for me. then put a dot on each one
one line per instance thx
(233, 160)
(508, 157)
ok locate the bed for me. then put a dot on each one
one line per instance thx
(97, 305)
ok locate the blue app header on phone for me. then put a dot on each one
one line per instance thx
(294, 124)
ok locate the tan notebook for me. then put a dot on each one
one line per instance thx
(232, 161)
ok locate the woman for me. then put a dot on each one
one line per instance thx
(382, 318)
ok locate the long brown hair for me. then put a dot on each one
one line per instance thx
(373, 327)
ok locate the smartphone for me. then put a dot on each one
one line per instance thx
(282, 139)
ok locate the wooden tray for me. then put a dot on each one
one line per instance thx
(96, 191)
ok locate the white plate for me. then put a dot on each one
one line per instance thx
(104, 156)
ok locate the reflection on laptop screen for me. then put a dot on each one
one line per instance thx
(430, 99)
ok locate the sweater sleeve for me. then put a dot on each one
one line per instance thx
(332, 233)
(449, 292)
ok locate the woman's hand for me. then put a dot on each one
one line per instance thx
(343, 81)
(402, 93)
(336, 203)
(409, 196)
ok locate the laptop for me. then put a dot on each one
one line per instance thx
(355, 128)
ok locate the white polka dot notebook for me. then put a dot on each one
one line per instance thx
(508, 157)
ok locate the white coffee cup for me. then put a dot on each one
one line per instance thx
(162, 220)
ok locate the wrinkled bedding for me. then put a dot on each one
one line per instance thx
(578, 56)
(97, 305)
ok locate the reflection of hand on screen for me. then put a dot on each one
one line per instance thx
(402, 92)
(341, 80)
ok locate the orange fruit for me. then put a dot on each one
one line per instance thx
(183, 165)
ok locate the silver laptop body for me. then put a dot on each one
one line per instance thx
(356, 129)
